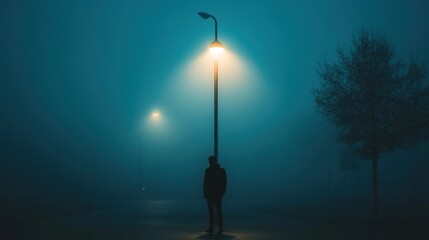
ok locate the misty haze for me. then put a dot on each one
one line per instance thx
(318, 111)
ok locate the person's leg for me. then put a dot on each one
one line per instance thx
(218, 204)
(210, 203)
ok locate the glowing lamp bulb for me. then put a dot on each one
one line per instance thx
(216, 48)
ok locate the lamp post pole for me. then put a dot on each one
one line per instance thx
(216, 48)
(216, 107)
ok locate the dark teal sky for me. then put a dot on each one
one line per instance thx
(79, 78)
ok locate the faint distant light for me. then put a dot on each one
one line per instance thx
(155, 115)
(216, 48)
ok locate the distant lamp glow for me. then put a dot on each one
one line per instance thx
(155, 115)
(216, 48)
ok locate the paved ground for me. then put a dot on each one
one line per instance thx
(179, 220)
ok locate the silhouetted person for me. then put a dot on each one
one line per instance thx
(214, 189)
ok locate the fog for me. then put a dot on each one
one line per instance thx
(80, 82)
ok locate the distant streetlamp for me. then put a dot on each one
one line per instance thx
(155, 117)
(216, 48)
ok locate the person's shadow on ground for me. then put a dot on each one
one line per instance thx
(221, 236)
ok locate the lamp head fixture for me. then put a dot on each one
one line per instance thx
(204, 15)
(215, 47)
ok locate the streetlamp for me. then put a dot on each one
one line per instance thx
(155, 118)
(216, 48)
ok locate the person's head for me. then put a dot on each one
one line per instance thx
(212, 160)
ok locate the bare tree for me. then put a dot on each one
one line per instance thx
(378, 102)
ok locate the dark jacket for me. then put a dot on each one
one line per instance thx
(214, 182)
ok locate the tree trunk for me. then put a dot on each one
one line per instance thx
(375, 187)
